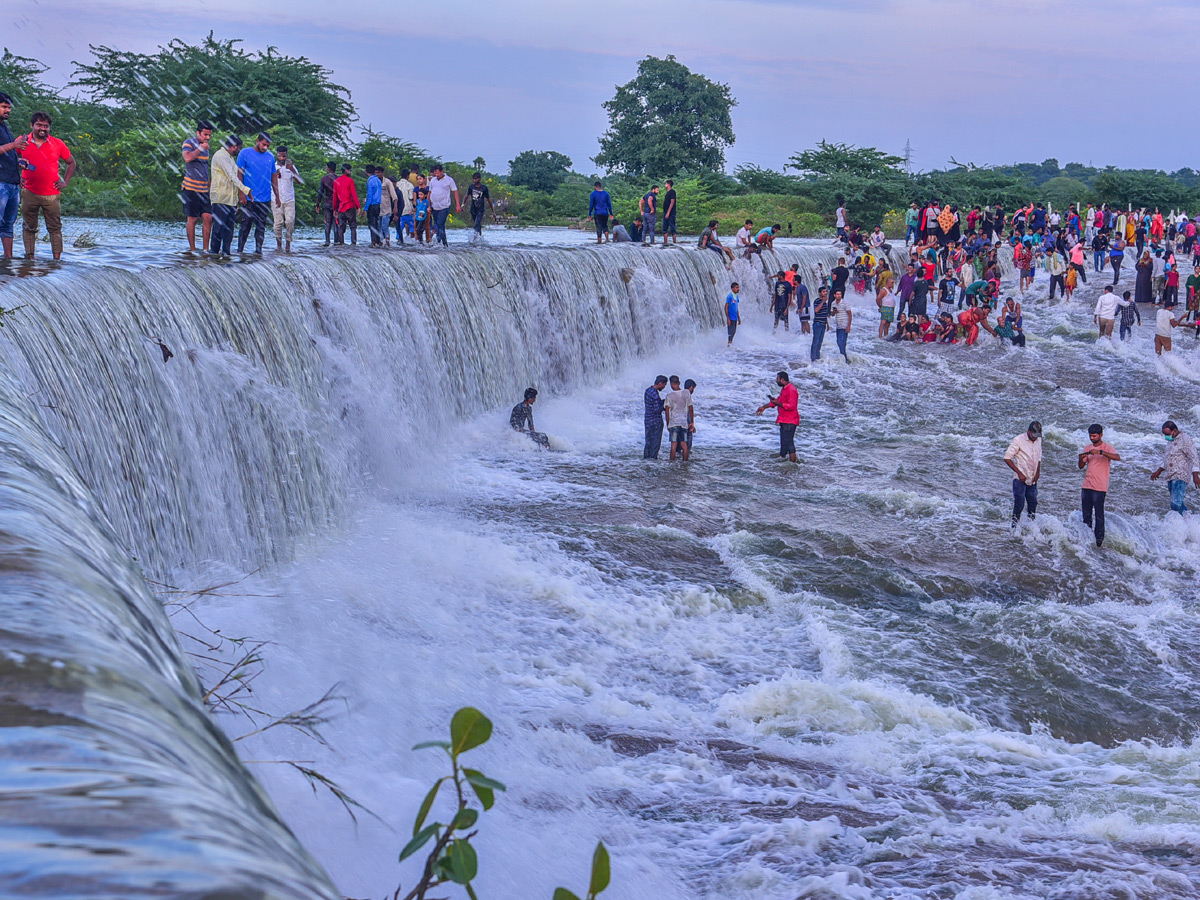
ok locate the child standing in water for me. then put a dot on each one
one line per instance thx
(424, 233)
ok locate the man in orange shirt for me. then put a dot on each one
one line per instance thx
(1096, 461)
(42, 184)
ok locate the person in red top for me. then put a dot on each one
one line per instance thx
(1096, 460)
(346, 205)
(972, 319)
(42, 182)
(788, 415)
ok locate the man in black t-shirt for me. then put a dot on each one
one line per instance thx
(781, 300)
(521, 418)
(668, 208)
(840, 275)
(477, 193)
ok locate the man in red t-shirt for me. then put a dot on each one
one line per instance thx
(1096, 462)
(42, 183)
(787, 416)
(346, 205)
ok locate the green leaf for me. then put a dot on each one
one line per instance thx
(468, 729)
(445, 745)
(464, 864)
(485, 788)
(564, 894)
(427, 804)
(419, 840)
(466, 818)
(600, 870)
(478, 779)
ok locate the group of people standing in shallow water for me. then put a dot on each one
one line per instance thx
(967, 274)
(1180, 465)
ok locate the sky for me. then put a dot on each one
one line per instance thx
(980, 81)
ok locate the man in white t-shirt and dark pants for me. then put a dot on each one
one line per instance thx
(678, 407)
(286, 177)
(441, 188)
(841, 219)
(1024, 457)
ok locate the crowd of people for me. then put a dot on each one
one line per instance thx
(956, 259)
(237, 189)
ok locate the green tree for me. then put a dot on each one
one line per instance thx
(768, 181)
(667, 121)
(844, 159)
(542, 170)
(1061, 191)
(1141, 187)
(382, 149)
(219, 81)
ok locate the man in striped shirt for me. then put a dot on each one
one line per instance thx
(195, 184)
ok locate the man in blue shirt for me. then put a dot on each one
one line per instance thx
(654, 418)
(10, 175)
(374, 199)
(599, 209)
(648, 206)
(732, 319)
(256, 168)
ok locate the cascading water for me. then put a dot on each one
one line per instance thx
(752, 684)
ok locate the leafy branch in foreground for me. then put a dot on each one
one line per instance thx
(599, 880)
(228, 666)
(452, 859)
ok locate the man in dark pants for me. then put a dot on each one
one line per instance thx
(787, 416)
(521, 419)
(1096, 460)
(820, 322)
(654, 418)
(325, 200)
(1024, 457)
(256, 166)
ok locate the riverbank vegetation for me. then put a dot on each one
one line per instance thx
(124, 115)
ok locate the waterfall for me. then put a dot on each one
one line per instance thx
(290, 384)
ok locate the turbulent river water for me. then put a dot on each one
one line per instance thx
(842, 678)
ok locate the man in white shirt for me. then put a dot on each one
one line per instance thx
(405, 223)
(678, 406)
(441, 188)
(1105, 313)
(1024, 457)
(1159, 274)
(285, 198)
(841, 220)
(745, 239)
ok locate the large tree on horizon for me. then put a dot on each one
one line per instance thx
(666, 121)
(219, 81)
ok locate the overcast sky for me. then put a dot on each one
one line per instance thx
(983, 81)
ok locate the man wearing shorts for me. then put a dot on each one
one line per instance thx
(678, 407)
(668, 205)
(42, 185)
(196, 205)
(599, 210)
